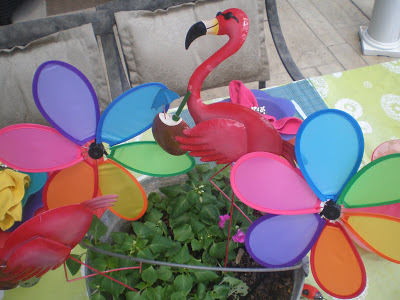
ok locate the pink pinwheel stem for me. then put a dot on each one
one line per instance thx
(229, 231)
(98, 273)
(225, 195)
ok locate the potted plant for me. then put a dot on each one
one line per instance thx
(186, 224)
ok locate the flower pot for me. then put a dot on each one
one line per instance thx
(152, 184)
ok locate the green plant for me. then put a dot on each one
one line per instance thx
(181, 227)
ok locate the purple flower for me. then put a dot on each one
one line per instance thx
(222, 221)
(239, 237)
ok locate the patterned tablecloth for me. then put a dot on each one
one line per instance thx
(371, 95)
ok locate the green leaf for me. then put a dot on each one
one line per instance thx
(216, 231)
(154, 293)
(72, 265)
(141, 230)
(153, 216)
(200, 290)
(196, 225)
(183, 283)
(149, 275)
(209, 212)
(154, 197)
(178, 296)
(196, 245)
(118, 237)
(237, 286)
(114, 288)
(208, 259)
(221, 291)
(134, 296)
(183, 219)
(194, 177)
(141, 285)
(100, 264)
(173, 250)
(145, 253)
(171, 191)
(181, 206)
(205, 275)
(193, 198)
(209, 199)
(164, 273)
(202, 168)
(218, 250)
(97, 228)
(154, 228)
(160, 244)
(183, 255)
(141, 243)
(167, 291)
(183, 233)
(97, 296)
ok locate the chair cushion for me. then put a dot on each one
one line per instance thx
(76, 46)
(153, 44)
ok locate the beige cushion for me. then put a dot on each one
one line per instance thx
(76, 46)
(154, 45)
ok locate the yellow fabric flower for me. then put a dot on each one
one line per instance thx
(12, 190)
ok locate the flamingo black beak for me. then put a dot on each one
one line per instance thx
(201, 28)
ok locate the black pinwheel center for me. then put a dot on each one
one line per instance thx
(331, 210)
(96, 151)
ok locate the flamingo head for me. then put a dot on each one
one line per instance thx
(232, 22)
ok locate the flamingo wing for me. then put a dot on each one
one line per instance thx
(45, 241)
(220, 140)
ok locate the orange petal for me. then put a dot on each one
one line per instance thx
(336, 264)
(70, 186)
(132, 199)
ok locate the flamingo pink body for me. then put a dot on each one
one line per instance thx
(226, 131)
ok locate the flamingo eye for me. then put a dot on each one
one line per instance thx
(227, 16)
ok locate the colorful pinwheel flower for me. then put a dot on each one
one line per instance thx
(87, 154)
(326, 208)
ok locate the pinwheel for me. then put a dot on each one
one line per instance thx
(89, 155)
(318, 212)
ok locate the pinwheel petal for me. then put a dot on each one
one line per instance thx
(67, 100)
(130, 114)
(377, 232)
(149, 158)
(281, 241)
(267, 182)
(132, 199)
(36, 148)
(374, 185)
(336, 265)
(389, 147)
(329, 149)
(70, 186)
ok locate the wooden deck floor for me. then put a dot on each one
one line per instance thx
(322, 36)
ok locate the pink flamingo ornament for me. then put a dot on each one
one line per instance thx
(226, 131)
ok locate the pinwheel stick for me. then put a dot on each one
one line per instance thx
(176, 117)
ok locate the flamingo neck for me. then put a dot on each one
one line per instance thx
(195, 104)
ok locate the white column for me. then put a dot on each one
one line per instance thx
(382, 36)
